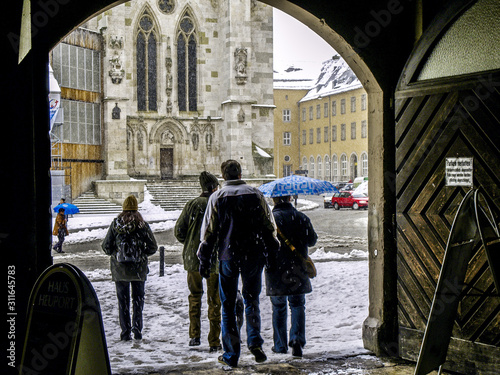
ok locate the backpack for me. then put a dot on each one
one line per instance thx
(130, 248)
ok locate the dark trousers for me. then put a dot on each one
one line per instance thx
(251, 275)
(123, 294)
(298, 318)
(195, 285)
(60, 236)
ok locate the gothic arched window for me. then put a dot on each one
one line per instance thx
(146, 64)
(186, 64)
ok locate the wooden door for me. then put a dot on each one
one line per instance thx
(435, 119)
(167, 163)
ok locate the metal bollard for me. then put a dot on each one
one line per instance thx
(162, 260)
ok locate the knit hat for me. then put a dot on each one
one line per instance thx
(130, 203)
(208, 181)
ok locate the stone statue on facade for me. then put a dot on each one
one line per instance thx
(240, 65)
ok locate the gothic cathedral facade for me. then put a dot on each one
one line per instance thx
(186, 85)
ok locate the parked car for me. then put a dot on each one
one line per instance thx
(347, 187)
(327, 200)
(349, 199)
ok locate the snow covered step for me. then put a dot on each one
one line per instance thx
(90, 204)
(173, 195)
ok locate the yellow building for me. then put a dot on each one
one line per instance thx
(331, 137)
(286, 130)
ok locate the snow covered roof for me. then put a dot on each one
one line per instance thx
(335, 77)
(296, 76)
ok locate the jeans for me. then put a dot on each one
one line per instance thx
(298, 317)
(195, 285)
(60, 236)
(251, 275)
(123, 294)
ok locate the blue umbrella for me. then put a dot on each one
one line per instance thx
(295, 185)
(69, 209)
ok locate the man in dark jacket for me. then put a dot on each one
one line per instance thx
(187, 231)
(239, 224)
(131, 229)
(289, 279)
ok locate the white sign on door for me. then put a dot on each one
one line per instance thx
(459, 171)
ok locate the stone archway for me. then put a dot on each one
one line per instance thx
(168, 142)
(31, 75)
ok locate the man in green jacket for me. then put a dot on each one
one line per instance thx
(187, 231)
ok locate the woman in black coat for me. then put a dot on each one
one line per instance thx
(129, 229)
(288, 279)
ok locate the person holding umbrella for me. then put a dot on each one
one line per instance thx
(239, 226)
(289, 281)
(60, 230)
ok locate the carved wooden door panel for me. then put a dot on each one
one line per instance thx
(433, 123)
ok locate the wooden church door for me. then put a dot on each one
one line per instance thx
(447, 105)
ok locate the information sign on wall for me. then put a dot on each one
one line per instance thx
(459, 171)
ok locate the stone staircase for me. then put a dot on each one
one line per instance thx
(90, 204)
(171, 195)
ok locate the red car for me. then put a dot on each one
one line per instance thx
(349, 199)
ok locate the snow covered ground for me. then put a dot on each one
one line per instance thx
(335, 310)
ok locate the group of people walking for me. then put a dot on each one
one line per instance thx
(227, 233)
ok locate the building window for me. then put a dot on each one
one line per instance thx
(342, 132)
(187, 80)
(287, 170)
(353, 104)
(364, 164)
(353, 130)
(82, 123)
(286, 115)
(310, 113)
(320, 168)
(327, 168)
(325, 110)
(334, 108)
(146, 53)
(364, 129)
(304, 164)
(343, 167)
(311, 166)
(303, 114)
(363, 102)
(318, 111)
(76, 67)
(311, 136)
(304, 137)
(326, 133)
(318, 135)
(342, 106)
(287, 138)
(335, 168)
(354, 166)
(334, 133)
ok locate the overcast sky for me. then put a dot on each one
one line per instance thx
(294, 42)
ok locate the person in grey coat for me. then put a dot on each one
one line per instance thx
(129, 228)
(288, 280)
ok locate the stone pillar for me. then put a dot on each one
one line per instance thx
(115, 140)
(380, 329)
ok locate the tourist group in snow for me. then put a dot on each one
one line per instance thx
(228, 232)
